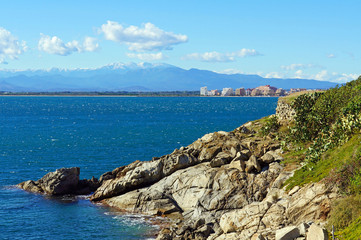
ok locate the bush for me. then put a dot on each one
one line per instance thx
(345, 211)
(270, 125)
(327, 119)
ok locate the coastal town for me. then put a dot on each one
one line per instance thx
(266, 90)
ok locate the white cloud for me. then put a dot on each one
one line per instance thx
(231, 71)
(297, 66)
(335, 77)
(331, 55)
(274, 75)
(90, 44)
(55, 45)
(221, 57)
(147, 56)
(148, 37)
(322, 75)
(10, 47)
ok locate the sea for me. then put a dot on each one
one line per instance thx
(41, 134)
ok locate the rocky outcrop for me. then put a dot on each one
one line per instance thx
(218, 148)
(62, 181)
(225, 185)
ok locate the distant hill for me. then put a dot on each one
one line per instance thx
(139, 77)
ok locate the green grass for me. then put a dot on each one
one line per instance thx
(290, 98)
(334, 158)
(352, 232)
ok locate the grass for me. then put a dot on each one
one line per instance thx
(289, 99)
(314, 172)
(351, 232)
(344, 212)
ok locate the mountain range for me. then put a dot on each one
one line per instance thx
(139, 77)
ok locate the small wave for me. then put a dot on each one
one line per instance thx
(10, 187)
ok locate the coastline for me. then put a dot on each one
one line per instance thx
(225, 185)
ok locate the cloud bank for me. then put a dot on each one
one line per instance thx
(147, 56)
(148, 37)
(221, 57)
(298, 66)
(10, 47)
(54, 45)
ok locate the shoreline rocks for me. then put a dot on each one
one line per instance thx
(61, 182)
(225, 185)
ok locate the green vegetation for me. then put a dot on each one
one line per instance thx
(324, 143)
(352, 231)
(331, 161)
(270, 125)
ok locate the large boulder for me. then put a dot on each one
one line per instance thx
(287, 233)
(307, 203)
(316, 233)
(135, 175)
(62, 181)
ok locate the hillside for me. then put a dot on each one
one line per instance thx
(144, 77)
(324, 139)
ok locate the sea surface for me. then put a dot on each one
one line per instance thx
(97, 134)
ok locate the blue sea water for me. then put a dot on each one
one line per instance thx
(97, 134)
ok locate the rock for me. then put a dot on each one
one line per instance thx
(245, 130)
(294, 190)
(252, 165)
(258, 236)
(177, 161)
(238, 164)
(287, 233)
(209, 153)
(62, 181)
(217, 162)
(222, 158)
(267, 158)
(303, 228)
(316, 233)
(247, 218)
(135, 175)
(275, 217)
(31, 186)
(87, 186)
(246, 154)
(305, 204)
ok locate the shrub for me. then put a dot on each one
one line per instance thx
(270, 125)
(345, 211)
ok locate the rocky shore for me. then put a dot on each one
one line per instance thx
(225, 185)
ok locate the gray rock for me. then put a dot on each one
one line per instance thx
(287, 233)
(217, 162)
(267, 158)
(252, 165)
(316, 233)
(62, 181)
(303, 228)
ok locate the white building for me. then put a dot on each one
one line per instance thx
(227, 92)
(204, 91)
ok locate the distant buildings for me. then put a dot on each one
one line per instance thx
(280, 92)
(214, 93)
(240, 92)
(227, 92)
(293, 90)
(204, 91)
(266, 90)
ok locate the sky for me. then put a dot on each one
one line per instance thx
(284, 39)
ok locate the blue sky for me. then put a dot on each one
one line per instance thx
(298, 39)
